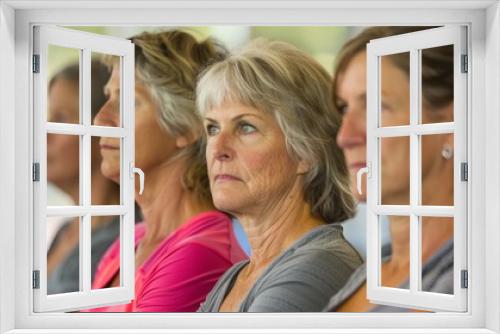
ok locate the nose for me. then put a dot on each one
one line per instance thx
(108, 115)
(221, 147)
(352, 131)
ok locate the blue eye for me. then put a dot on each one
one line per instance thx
(211, 129)
(247, 128)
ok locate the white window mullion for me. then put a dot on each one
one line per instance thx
(419, 210)
(127, 277)
(460, 156)
(415, 185)
(86, 174)
(77, 129)
(40, 95)
(419, 129)
(373, 219)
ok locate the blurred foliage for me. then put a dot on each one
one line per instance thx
(320, 42)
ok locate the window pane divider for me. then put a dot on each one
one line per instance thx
(78, 211)
(419, 210)
(85, 170)
(77, 129)
(417, 129)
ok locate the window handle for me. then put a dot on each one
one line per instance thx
(135, 170)
(361, 171)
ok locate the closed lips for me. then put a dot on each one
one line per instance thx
(226, 177)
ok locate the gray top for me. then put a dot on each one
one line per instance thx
(65, 277)
(299, 280)
(437, 276)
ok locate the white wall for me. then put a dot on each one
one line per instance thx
(6, 166)
(493, 157)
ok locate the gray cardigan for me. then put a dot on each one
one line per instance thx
(437, 276)
(299, 280)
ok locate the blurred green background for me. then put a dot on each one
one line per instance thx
(320, 42)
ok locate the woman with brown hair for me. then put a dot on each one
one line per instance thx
(184, 244)
(349, 97)
(63, 170)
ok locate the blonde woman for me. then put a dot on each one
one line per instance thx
(184, 244)
(274, 164)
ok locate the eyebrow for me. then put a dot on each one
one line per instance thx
(234, 119)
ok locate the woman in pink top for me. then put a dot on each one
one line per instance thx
(184, 245)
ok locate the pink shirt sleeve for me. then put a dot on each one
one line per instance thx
(182, 282)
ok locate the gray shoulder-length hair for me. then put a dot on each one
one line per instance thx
(278, 78)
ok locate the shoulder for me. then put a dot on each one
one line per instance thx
(306, 275)
(324, 245)
(213, 231)
(214, 299)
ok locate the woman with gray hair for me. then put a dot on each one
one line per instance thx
(274, 164)
(184, 244)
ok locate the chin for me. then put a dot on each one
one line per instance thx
(225, 203)
(111, 174)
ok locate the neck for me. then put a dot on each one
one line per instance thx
(435, 233)
(165, 203)
(104, 192)
(275, 229)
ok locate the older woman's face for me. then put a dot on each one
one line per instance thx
(248, 163)
(351, 94)
(153, 146)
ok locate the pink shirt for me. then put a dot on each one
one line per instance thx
(181, 271)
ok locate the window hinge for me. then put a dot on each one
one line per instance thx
(36, 172)
(36, 63)
(464, 171)
(464, 279)
(465, 65)
(36, 279)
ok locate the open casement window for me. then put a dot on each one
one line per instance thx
(416, 133)
(47, 40)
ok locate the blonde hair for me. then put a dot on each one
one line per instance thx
(168, 64)
(277, 78)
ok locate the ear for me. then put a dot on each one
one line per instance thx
(303, 167)
(185, 140)
(182, 141)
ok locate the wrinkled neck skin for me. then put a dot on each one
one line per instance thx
(435, 233)
(273, 228)
(104, 192)
(165, 203)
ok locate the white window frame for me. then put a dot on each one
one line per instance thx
(85, 44)
(16, 19)
(413, 44)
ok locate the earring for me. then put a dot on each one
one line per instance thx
(447, 151)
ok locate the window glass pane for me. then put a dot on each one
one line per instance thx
(437, 84)
(63, 85)
(437, 169)
(105, 170)
(105, 82)
(105, 231)
(395, 90)
(437, 254)
(395, 271)
(63, 255)
(395, 170)
(63, 169)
